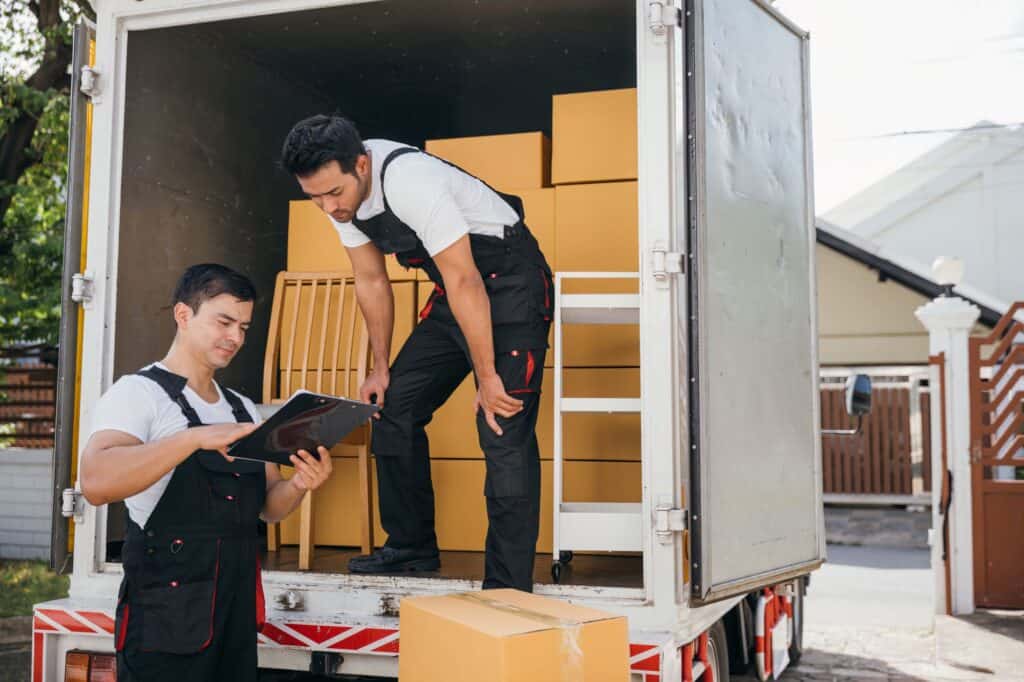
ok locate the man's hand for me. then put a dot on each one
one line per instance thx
(310, 473)
(375, 385)
(219, 436)
(492, 398)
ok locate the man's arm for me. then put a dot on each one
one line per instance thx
(377, 303)
(472, 309)
(116, 465)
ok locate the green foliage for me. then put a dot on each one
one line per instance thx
(30, 272)
(24, 583)
(35, 36)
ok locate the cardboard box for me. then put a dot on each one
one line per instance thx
(596, 231)
(509, 636)
(461, 509)
(506, 162)
(594, 136)
(453, 433)
(314, 244)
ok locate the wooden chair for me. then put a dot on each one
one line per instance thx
(318, 341)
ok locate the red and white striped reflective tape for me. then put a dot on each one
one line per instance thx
(644, 659)
(771, 609)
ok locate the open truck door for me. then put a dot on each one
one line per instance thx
(65, 445)
(755, 472)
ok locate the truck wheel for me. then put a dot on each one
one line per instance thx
(796, 647)
(718, 653)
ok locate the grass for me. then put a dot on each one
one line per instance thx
(24, 583)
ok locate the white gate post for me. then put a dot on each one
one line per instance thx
(949, 321)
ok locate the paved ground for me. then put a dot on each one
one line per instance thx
(869, 618)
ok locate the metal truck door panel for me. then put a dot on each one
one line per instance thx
(69, 351)
(755, 472)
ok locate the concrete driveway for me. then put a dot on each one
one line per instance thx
(869, 617)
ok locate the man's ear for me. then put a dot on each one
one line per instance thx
(362, 165)
(182, 314)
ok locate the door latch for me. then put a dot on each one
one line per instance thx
(72, 504)
(668, 520)
(662, 16)
(665, 263)
(90, 83)
(82, 288)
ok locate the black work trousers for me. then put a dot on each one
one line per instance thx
(431, 365)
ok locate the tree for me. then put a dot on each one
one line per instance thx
(34, 115)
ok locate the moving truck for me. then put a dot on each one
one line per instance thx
(180, 111)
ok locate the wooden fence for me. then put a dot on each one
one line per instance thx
(890, 459)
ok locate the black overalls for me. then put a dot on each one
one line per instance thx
(431, 365)
(191, 600)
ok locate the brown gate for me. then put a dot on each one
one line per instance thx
(997, 462)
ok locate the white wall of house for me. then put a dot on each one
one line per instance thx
(965, 199)
(25, 503)
(864, 321)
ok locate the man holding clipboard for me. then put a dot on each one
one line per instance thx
(191, 600)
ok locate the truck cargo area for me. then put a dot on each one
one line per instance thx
(208, 105)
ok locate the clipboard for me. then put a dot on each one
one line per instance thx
(304, 422)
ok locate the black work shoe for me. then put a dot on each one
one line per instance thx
(393, 560)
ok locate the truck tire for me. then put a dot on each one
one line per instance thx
(796, 647)
(718, 652)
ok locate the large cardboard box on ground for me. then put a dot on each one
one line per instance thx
(594, 136)
(314, 244)
(509, 636)
(508, 163)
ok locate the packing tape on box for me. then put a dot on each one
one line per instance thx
(572, 668)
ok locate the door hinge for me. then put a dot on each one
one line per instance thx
(668, 520)
(82, 288)
(90, 83)
(72, 504)
(665, 263)
(662, 16)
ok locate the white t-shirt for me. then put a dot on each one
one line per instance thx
(140, 407)
(440, 203)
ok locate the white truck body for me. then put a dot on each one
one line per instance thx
(730, 445)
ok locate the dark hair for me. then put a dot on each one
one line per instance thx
(316, 141)
(202, 282)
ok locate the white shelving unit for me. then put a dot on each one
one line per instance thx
(590, 526)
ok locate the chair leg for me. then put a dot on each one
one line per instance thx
(306, 532)
(272, 537)
(366, 489)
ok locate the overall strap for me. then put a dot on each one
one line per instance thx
(174, 386)
(401, 151)
(241, 414)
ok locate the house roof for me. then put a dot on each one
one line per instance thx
(930, 176)
(905, 271)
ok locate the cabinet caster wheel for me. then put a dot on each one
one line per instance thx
(565, 556)
(556, 572)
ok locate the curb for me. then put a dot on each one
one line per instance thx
(15, 630)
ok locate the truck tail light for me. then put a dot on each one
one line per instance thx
(85, 666)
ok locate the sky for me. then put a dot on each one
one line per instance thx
(883, 70)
